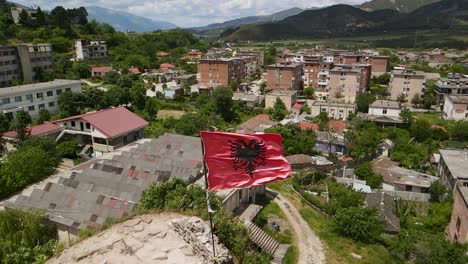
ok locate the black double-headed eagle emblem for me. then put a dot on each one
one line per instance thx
(248, 156)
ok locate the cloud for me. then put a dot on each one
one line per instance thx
(189, 13)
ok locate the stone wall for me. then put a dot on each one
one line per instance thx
(196, 233)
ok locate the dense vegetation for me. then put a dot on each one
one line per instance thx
(25, 238)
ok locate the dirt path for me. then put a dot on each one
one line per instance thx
(310, 247)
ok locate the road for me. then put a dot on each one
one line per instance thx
(309, 245)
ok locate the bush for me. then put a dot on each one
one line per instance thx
(68, 149)
(364, 171)
(361, 224)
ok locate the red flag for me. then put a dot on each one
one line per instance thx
(239, 160)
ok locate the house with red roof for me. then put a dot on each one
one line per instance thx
(337, 126)
(162, 54)
(305, 125)
(104, 130)
(100, 70)
(134, 70)
(167, 67)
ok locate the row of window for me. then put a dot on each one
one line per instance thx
(8, 62)
(6, 52)
(40, 106)
(8, 72)
(19, 98)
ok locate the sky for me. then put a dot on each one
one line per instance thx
(189, 13)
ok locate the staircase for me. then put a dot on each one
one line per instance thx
(261, 239)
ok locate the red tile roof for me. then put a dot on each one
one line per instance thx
(167, 66)
(101, 68)
(297, 105)
(339, 125)
(134, 70)
(112, 122)
(38, 130)
(304, 126)
(263, 117)
(162, 54)
(439, 127)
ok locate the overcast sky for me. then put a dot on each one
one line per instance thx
(188, 13)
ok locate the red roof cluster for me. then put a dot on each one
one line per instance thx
(134, 70)
(338, 126)
(101, 69)
(167, 66)
(305, 125)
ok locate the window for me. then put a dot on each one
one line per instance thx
(88, 126)
(5, 100)
(29, 97)
(73, 123)
(458, 224)
(409, 188)
(31, 108)
(384, 111)
(18, 99)
(41, 106)
(67, 89)
(39, 95)
(50, 93)
(59, 91)
(51, 104)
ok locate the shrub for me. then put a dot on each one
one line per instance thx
(361, 224)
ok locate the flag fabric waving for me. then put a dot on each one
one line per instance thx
(239, 160)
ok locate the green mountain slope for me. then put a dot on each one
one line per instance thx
(403, 6)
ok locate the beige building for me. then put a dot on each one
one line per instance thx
(284, 76)
(338, 111)
(458, 228)
(456, 107)
(453, 167)
(289, 98)
(345, 84)
(407, 83)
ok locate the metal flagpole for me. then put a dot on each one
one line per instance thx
(210, 211)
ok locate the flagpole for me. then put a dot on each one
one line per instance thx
(210, 211)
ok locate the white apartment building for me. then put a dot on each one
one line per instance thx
(338, 111)
(456, 107)
(34, 97)
(385, 108)
(90, 49)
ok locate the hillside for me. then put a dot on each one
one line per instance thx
(217, 28)
(345, 21)
(403, 6)
(122, 21)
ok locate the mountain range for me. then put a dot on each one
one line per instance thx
(402, 6)
(123, 21)
(346, 20)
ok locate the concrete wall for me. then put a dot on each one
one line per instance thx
(288, 100)
(455, 111)
(379, 111)
(459, 233)
(284, 77)
(347, 85)
(409, 85)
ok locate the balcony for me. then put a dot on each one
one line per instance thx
(323, 82)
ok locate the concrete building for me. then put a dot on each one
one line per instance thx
(454, 84)
(338, 111)
(34, 97)
(317, 75)
(348, 81)
(284, 76)
(453, 167)
(407, 83)
(257, 55)
(100, 70)
(385, 112)
(458, 227)
(256, 124)
(16, 11)
(221, 71)
(90, 49)
(24, 62)
(456, 107)
(289, 98)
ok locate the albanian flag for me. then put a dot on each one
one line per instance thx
(239, 160)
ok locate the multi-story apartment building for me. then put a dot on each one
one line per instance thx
(458, 227)
(456, 107)
(16, 11)
(90, 49)
(380, 64)
(408, 83)
(34, 97)
(317, 74)
(24, 61)
(454, 84)
(348, 81)
(284, 76)
(222, 71)
(257, 55)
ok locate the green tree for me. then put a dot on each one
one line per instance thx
(69, 104)
(4, 124)
(437, 190)
(305, 109)
(295, 141)
(40, 18)
(407, 116)
(361, 224)
(459, 131)
(363, 101)
(309, 91)
(24, 19)
(364, 171)
(116, 96)
(138, 95)
(401, 99)
(21, 124)
(44, 116)
(222, 97)
(420, 130)
(68, 149)
(151, 107)
(279, 110)
(80, 70)
(416, 101)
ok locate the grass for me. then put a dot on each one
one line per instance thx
(163, 114)
(338, 249)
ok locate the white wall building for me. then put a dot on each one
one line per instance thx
(34, 97)
(339, 111)
(456, 107)
(385, 108)
(90, 49)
